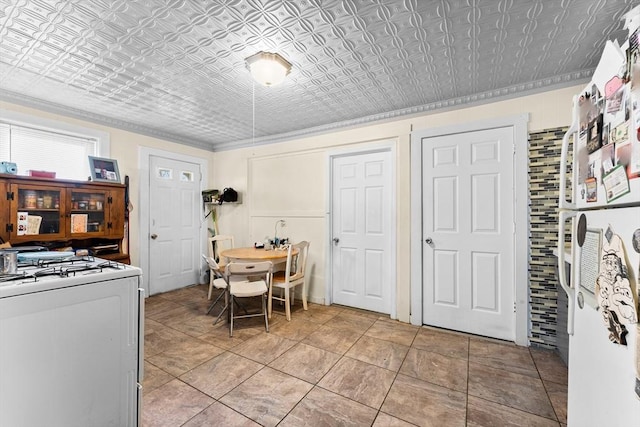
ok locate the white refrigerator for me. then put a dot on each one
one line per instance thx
(599, 234)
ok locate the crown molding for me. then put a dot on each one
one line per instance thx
(529, 88)
(502, 94)
(63, 110)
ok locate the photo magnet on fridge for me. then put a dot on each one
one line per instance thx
(592, 189)
(594, 133)
(615, 183)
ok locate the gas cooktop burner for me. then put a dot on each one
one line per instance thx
(56, 261)
(5, 277)
(67, 267)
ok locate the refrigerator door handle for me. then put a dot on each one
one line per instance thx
(564, 152)
(563, 216)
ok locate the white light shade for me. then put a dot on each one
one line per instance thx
(268, 68)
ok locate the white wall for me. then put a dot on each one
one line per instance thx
(288, 180)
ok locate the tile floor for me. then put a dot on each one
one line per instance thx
(336, 366)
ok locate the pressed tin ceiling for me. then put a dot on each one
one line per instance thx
(176, 69)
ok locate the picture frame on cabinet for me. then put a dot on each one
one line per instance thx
(104, 170)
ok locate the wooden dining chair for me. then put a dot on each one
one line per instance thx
(292, 276)
(255, 280)
(216, 245)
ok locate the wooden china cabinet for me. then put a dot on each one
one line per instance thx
(61, 213)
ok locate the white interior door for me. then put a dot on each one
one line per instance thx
(361, 231)
(468, 226)
(174, 231)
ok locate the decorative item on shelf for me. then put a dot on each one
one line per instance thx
(23, 220)
(33, 224)
(8, 167)
(104, 248)
(104, 170)
(41, 174)
(30, 199)
(79, 223)
(229, 195)
(210, 196)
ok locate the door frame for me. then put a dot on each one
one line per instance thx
(378, 147)
(144, 160)
(521, 226)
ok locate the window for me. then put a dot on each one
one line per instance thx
(37, 144)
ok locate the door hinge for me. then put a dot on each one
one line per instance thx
(9, 228)
(514, 307)
(9, 195)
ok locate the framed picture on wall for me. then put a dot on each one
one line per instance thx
(104, 170)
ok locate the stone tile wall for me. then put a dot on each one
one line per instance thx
(544, 159)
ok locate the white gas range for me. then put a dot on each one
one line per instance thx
(71, 343)
(38, 274)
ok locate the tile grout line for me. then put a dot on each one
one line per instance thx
(546, 391)
(395, 377)
(466, 408)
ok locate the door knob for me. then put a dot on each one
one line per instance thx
(154, 236)
(428, 241)
(335, 240)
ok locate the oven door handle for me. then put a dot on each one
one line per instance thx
(140, 333)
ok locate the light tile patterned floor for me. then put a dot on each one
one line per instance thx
(336, 366)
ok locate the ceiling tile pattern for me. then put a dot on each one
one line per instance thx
(175, 68)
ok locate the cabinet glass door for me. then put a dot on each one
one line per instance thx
(88, 212)
(39, 211)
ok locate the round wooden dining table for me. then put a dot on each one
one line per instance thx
(251, 254)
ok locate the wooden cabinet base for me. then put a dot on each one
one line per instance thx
(57, 214)
(123, 258)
